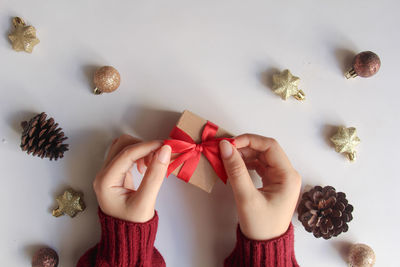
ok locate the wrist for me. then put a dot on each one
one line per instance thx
(264, 233)
(141, 217)
(137, 219)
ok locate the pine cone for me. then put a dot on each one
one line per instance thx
(41, 137)
(325, 212)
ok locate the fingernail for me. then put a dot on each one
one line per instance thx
(164, 154)
(226, 149)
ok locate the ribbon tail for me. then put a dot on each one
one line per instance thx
(178, 161)
(189, 160)
(212, 153)
(171, 168)
(189, 167)
(216, 163)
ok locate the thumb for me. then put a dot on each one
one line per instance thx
(155, 173)
(238, 175)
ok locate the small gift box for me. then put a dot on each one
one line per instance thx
(195, 151)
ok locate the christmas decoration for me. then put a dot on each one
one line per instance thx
(345, 141)
(70, 203)
(23, 38)
(361, 255)
(106, 80)
(195, 147)
(286, 85)
(45, 257)
(365, 64)
(43, 138)
(325, 212)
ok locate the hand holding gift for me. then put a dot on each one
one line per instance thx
(114, 183)
(264, 213)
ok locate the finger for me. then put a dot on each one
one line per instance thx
(271, 152)
(128, 182)
(148, 159)
(120, 164)
(252, 164)
(259, 168)
(119, 144)
(141, 167)
(238, 175)
(248, 153)
(155, 174)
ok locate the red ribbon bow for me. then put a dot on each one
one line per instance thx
(182, 143)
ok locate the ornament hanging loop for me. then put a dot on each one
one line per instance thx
(57, 213)
(352, 156)
(96, 91)
(351, 74)
(300, 95)
(17, 21)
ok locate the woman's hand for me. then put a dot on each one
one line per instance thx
(114, 183)
(264, 213)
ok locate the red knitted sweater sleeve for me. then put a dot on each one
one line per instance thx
(278, 252)
(124, 244)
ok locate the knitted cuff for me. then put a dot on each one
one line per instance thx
(125, 243)
(275, 252)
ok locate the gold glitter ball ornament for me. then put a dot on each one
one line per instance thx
(345, 141)
(70, 203)
(23, 38)
(286, 85)
(106, 79)
(361, 255)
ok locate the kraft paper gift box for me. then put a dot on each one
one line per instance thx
(204, 175)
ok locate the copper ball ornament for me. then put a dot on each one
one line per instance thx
(106, 79)
(365, 64)
(361, 255)
(45, 257)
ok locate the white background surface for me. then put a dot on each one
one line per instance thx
(215, 58)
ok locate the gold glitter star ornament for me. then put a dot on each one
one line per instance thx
(70, 203)
(286, 85)
(345, 141)
(23, 38)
